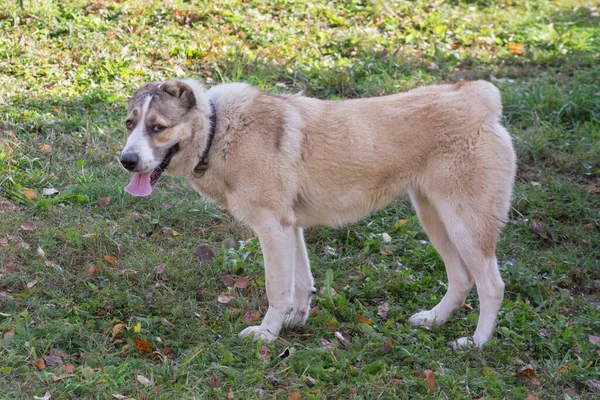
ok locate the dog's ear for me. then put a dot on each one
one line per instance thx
(182, 91)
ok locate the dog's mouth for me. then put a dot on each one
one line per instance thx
(141, 184)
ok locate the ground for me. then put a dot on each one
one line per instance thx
(143, 298)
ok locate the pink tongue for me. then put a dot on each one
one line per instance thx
(139, 185)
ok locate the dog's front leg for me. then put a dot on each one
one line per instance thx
(278, 245)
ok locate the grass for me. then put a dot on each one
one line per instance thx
(66, 70)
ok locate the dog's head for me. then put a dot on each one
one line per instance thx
(167, 125)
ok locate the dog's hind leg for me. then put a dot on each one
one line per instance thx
(303, 283)
(460, 281)
(474, 234)
(278, 242)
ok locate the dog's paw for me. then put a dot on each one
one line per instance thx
(300, 311)
(258, 332)
(425, 319)
(465, 343)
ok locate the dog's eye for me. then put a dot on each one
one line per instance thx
(157, 128)
(129, 125)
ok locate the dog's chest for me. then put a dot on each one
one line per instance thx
(211, 188)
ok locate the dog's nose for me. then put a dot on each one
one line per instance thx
(130, 161)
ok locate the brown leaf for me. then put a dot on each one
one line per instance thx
(294, 396)
(328, 345)
(45, 149)
(110, 259)
(93, 270)
(215, 382)
(46, 396)
(9, 334)
(32, 284)
(592, 188)
(537, 228)
(69, 368)
(29, 226)
(203, 254)
(387, 346)
(397, 380)
(516, 48)
(230, 394)
(228, 280)
(56, 378)
(313, 312)
(39, 364)
(430, 379)
(117, 328)
(594, 339)
(285, 353)
(528, 374)
(3, 241)
(104, 201)
(382, 310)
(30, 194)
(364, 320)
(143, 380)
(6, 205)
(251, 316)
(52, 361)
(264, 353)
(531, 397)
(242, 283)
(160, 268)
(229, 243)
(141, 346)
(224, 299)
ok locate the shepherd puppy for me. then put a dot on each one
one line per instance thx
(282, 163)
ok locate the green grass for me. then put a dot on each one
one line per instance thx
(66, 71)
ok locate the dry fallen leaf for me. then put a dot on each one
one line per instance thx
(203, 254)
(104, 201)
(251, 316)
(8, 334)
(69, 368)
(294, 396)
(386, 237)
(110, 259)
(537, 228)
(228, 280)
(143, 380)
(93, 270)
(46, 396)
(32, 284)
(45, 149)
(52, 361)
(528, 374)
(117, 328)
(30, 194)
(364, 320)
(49, 191)
(215, 382)
(29, 226)
(387, 346)
(430, 379)
(242, 283)
(516, 48)
(313, 312)
(531, 397)
(225, 299)
(382, 310)
(264, 353)
(230, 394)
(160, 268)
(594, 339)
(3, 241)
(56, 378)
(141, 346)
(39, 364)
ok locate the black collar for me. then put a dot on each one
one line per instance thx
(202, 165)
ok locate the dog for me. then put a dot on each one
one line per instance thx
(282, 163)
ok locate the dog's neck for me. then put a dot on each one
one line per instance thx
(202, 165)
